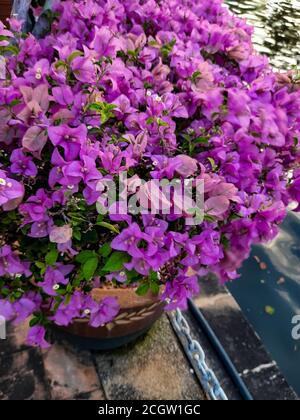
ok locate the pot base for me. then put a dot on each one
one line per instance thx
(91, 343)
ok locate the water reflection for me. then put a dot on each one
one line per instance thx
(277, 34)
(284, 250)
(277, 28)
(276, 285)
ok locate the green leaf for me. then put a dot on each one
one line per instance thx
(34, 321)
(41, 266)
(89, 268)
(60, 63)
(162, 123)
(67, 299)
(77, 235)
(102, 108)
(133, 53)
(201, 140)
(74, 55)
(150, 120)
(11, 49)
(209, 218)
(84, 256)
(213, 163)
(167, 48)
(154, 288)
(153, 276)
(14, 102)
(5, 292)
(143, 289)
(195, 76)
(108, 226)
(105, 250)
(51, 257)
(116, 262)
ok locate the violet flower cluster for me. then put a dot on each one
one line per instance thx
(160, 89)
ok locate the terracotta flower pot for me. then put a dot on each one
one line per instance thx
(5, 9)
(136, 316)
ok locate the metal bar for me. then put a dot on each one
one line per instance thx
(221, 352)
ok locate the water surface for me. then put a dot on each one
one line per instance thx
(269, 288)
(277, 28)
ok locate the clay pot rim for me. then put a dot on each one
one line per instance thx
(127, 297)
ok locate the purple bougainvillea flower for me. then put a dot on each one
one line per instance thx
(36, 337)
(84, 69)
(179, 290)
(129, 240)
(185, 165)
(216, 206)
(21, 164)
(11, 192)
(35, 208)
(67, 312)
(35, 140)
(61, 234)
(41, 229)
(54, 277)
(171, 90)
(39, 72)
(105, 42)
(36, 100)
(104, 311)
(23, 308)
(4, 33)
(70, 139)
(119, 276)
(6, 309)
(59, 172)
(10, 264)
(63, 95)
(123, 106)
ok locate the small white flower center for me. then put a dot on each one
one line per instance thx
(38, 74)
(55, 287)
(87, 312)
(2, 182)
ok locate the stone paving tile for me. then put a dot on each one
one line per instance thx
(153, 368)
(22, 376)
(71, 373)
(16, 338)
